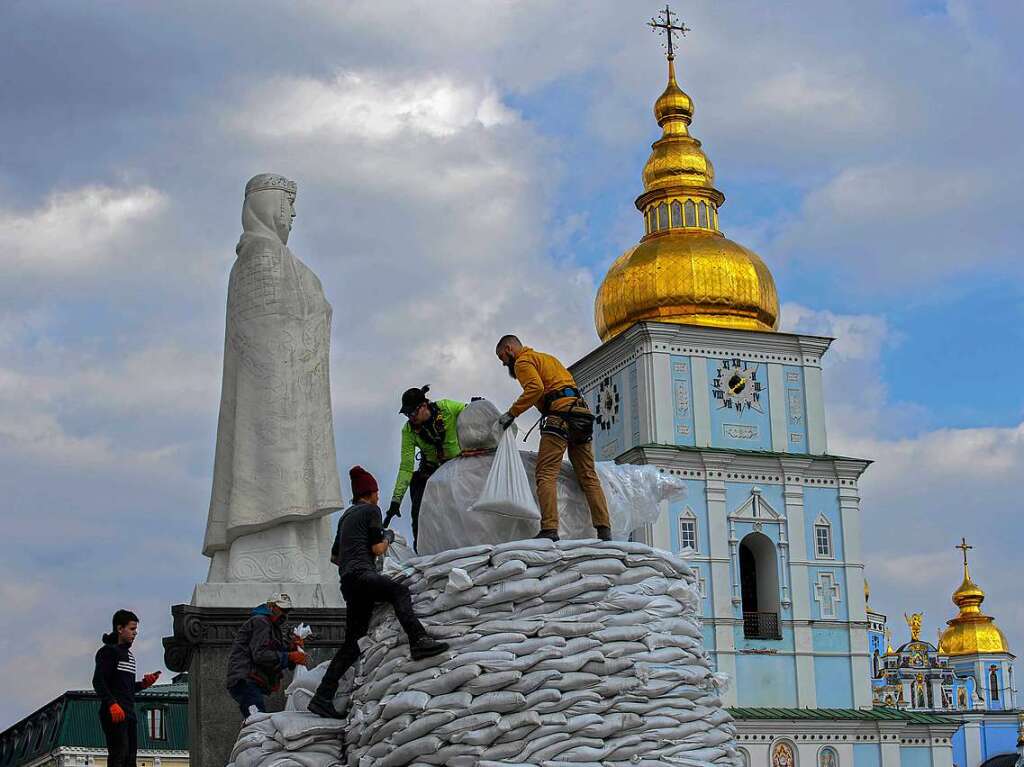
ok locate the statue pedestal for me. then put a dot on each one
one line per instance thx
(200, 645)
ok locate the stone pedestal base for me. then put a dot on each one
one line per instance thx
(201, 644)
(248, 595)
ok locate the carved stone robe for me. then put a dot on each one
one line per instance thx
(275, 473)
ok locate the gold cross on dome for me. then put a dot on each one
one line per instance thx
(666, 27)
(964, 548)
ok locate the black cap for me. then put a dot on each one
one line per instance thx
(412, 399)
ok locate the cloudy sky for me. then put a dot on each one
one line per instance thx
(465, 169)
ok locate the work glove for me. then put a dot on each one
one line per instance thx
(298, 657)
(298, 643)
(117, 714)
(395, 509)
(150, 679)
(506, 419)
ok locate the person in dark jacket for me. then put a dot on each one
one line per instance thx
(115, 683)
(261, 654)
(362, 538)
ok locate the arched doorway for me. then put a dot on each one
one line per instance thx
(759, 587)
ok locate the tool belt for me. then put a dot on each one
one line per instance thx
(574, 424)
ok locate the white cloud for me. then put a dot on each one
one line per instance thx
(922, 493)
(76, 230)
(369, 106)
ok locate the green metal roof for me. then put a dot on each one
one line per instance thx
(878, 714)
(73, 720)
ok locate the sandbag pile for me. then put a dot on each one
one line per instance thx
(288, 739)
(578, 652)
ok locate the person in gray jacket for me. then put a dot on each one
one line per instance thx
(261, 654)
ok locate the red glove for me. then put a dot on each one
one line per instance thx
(297, 657)
(117, 714)
(150, 679)
(298, 642)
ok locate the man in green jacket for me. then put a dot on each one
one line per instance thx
(431, 429)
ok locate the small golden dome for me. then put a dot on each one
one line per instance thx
(684, 270)
(971, 632)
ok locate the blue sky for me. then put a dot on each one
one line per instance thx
(467, 172)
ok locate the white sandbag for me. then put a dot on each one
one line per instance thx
(476, 426)
(526, 681)
(406, 702)
(634, 495)
(507, 492)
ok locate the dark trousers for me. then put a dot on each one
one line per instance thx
(362, 591)
(417, 485)
(122, 740)
(247, 693)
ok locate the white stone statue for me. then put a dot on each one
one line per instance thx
(275, 476)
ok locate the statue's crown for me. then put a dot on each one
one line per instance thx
(270, 181)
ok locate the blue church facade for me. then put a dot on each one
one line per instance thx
(771, 524)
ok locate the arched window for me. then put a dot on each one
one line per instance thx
(651, 223)
(713, 216)
(823, 538)
(783, 754)
(702, 215)
(688, 530)
(759, 587)
(677, 214)
(662, 216)
(828, 757)
(993, 683)
(875, 664)
(744, 757)
(691, 213)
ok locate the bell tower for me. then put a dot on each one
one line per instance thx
(694, 377)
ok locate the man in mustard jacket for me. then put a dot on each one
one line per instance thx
(430, 428)
(567, 424)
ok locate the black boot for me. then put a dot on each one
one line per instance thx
(551, 535)
(426, 647)
(323, 707)
(604, 532)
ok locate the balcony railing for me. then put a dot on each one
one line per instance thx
(761, 626)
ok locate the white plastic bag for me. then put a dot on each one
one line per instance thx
(507, 489)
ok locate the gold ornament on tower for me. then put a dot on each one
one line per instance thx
(684, 270)
(971, 632)
(914, 622)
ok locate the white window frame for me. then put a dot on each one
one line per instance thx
(156, 727)
(823, 523)
(687, 516)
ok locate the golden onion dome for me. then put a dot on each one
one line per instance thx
(684, 270)
(971, 632)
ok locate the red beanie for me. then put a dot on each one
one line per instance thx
(363, 483)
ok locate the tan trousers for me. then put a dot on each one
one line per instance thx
(549, 463)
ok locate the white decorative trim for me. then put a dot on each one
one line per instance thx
(758, 511)
(687, 515)
(826, 585)
(822, 521)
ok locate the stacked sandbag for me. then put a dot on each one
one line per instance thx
(572, 653)
(288, 739)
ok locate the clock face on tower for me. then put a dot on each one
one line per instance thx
(607, 404)
(736, 386)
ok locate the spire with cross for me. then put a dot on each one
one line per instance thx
(964, 548)
(667, 28)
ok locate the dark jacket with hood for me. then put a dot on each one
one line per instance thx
(259, 652)
(114, 679)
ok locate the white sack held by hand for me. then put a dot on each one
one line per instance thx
(507, 489)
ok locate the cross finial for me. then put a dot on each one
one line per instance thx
(666, 27)
(964, 548)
